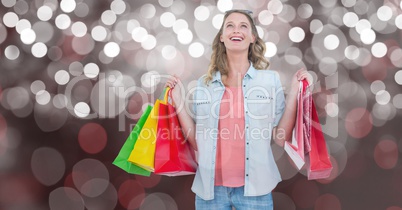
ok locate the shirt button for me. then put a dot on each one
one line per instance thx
(244, 85)
(246, 112)
(247, 143)
(246, 174)
(246, 158)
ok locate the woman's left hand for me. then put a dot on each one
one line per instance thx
(300, 75)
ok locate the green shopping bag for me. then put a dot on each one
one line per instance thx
(121, 160)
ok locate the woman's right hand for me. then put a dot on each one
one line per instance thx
(175, 84)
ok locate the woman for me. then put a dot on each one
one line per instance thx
(237, 111)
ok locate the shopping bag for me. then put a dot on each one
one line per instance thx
(295, 149)
(173, 155)
(320, 166)
(121, 160)
(143, 153)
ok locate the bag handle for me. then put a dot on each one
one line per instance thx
(164, 95)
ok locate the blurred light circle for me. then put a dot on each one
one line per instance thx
(149, 42)
(364, 57)
(62, 77)
(16, 97)
(139, 34)
(293, 55)
(178, 7)
(224, 5)
(328, 3)
(169, 52)
(397, 101)
(3, 33)
(91, 70)
(201, 13)
(165, 3)
(386, 154)
(396, 57)
(81, 109)
(271, 49)
(99, 33)
(147, 11)
(352, 52)
(104, 100)
(275, 6)
(265, 17)
(55, 53)
(328, 66)
(348, 3)
(288, 13)
(111, 49)
(167, 19)
(331, 42)
(39, 50)
(150, 79)
(316, 26)
(296, 34)
(148, 182)
(22, 24)
(82, 10)
(118, 7)
(28, 36)
(332, 109)
(398, 77)
(92, 138)
(350, 19)
(379, 50)
(42, 97)
(398, 21)
(377, 86)
(79, 29)
(8, 3)
(85, 172)
(44, 31)
(131, 194)
(358, 122)
(185, 36)
(60, 101)
(76, 68)
(10, 19)
(37, 86)
(158, 201)
(65, 198)
(106, 200)
(47, 165)
(196, 50)
(326, 200)
(217, 21)
(63, 21)
(382, 113)
(260, 32)
(108, 17)
(305, 11)
(67, 6)
(384, 13)
(12, 52)
(179, 25)
(382, 97)
(283, 201)
(362, 25)
(367, 36)
(21, 7)
(44, 13)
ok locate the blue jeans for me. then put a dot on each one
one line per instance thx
(227, 197)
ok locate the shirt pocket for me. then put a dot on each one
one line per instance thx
(260, 103)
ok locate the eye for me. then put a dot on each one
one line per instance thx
(229, 25)
(244, 26)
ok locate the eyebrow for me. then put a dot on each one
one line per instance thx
(240, 22)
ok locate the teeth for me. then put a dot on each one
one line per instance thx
(236, 38)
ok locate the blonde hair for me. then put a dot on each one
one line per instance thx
(218, 58)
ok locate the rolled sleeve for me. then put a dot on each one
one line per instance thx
(279, 100)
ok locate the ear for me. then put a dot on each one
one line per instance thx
(221, 39)
(253, 39)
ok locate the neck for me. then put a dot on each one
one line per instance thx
(238, 63)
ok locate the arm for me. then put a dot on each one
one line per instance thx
(186, 121)
(283, 131)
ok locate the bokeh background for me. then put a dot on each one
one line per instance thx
(75, 76)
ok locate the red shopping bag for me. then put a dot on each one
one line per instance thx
(173, 154)
(320, 166)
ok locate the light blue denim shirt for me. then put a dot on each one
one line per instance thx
(264, 103)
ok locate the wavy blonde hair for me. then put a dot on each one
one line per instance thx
(256, 50)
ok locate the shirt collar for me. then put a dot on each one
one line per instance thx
(251, 72)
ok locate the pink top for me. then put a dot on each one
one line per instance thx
(230, 155)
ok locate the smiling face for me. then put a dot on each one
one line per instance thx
(237, 32)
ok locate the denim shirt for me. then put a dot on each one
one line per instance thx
(264, 103)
